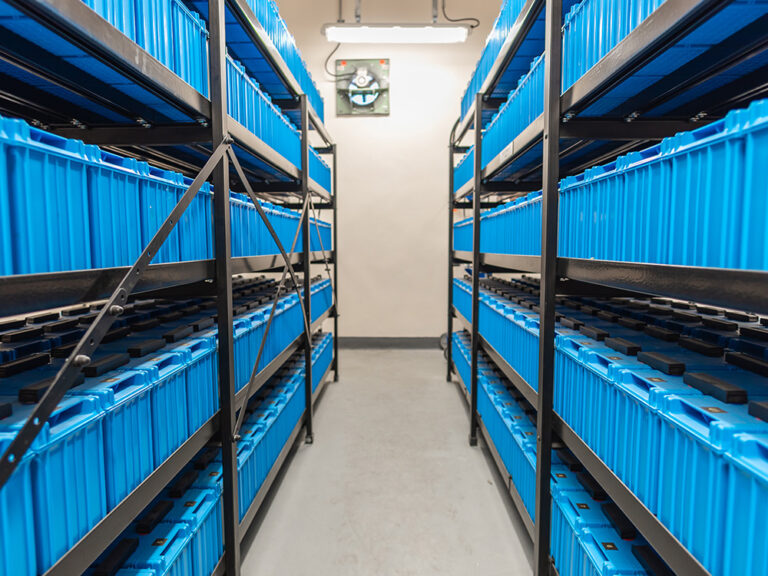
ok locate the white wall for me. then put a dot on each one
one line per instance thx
(393, 176)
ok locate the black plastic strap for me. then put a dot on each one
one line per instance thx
(609, 316)
(623, 346)
(87, 319)
(571, 303)
(116, 334)
(171, 316)
(682, 305)
(619, 521)
(747, 362)
(44, 317)
(145, 325)
(764, 321)
(753, 332)
(22, 364)
(151, 519)
(650, 561)
(183, 483)
(202, 324)
(192, 309)
(69, 337)
(571, 323)
(591, 310)
(141, 349)
(178, 334)
(23, 334)
(76, 311)
(658, 311)
(12, 324)
(64, 351)
(637, 305)
(33, 393)
(239, 310)
(759, 410)
(662, 333)
(740, 316)
(661, 301)
(701, 309)
(569, 459)
(689, 317)
(594, 333)
(701, 347)
(536, 308)
(719, 324)
(208, 456)
(591, 486)
(631, 323)
(713, 386)
(6, 410)
(106, 364)
(662, 362)
(116, 557)
(61, 325)
(145, 304)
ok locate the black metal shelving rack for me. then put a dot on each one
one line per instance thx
(507, 176)
(164, 120)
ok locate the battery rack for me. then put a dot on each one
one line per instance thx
(593, 121)
(66, 69)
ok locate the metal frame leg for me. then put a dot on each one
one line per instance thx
(307, 261)
(449, 333)
(551, 164)
(222, 235)
(476, 198)
(335, 202)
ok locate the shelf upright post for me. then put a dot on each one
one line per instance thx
(449, 333)
(222, 235)
(335, 204)
(307, 262)
(476, 198)
(550, 182)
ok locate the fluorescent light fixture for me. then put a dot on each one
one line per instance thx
(396, 33)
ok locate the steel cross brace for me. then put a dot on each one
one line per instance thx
(288, 268)
(114, 307)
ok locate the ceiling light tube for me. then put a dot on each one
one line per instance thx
(396, 33)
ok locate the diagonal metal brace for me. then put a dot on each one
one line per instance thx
(286, 259)
(83, 352)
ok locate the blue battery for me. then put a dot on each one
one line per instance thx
(202, 380)
(120, 13)
(125, 400)
(45, 208)
(166, 374)
(166, 549)
(114, 200)
(693, 475)
(745, 550)
(67, 458)
(159, 192)
(602, 552)
(17, 528)
(201, 511)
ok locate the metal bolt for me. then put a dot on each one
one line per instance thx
(81, 360)
(116, 310)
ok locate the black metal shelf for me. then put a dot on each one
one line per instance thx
(658, 536)
(173, 112)
(26, 293)
(80, 557)
(509, 484)
(623, 130)
(741, 289)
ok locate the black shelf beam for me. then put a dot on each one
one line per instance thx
(26, 293)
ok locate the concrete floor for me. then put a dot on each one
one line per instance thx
(391, 486)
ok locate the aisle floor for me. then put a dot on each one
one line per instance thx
(390, 486)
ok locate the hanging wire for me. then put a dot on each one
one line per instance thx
(470, 19)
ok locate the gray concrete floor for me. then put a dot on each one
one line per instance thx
(390, 486)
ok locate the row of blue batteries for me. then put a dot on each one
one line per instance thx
(149, 387)
(696, 199)
(670, 402)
